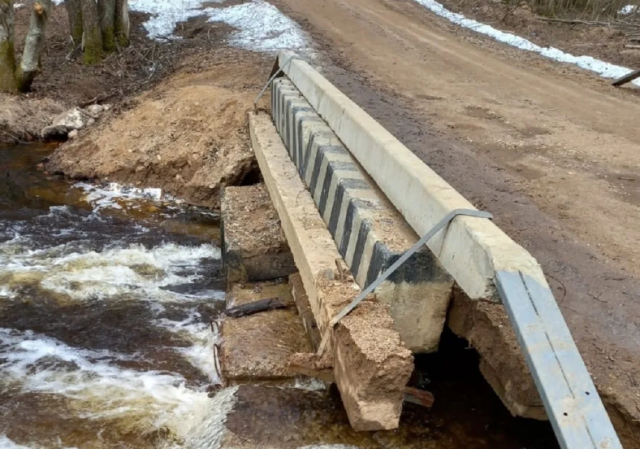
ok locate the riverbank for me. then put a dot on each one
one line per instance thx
(187, 135)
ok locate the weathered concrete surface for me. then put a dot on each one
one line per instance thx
(242, 294)
(471, 249)
(368, 231)
(301, 300)
(254, 247)
(486, 327)
(371, 365)
(258, 347)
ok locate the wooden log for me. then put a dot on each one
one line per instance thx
(419, 397)
(308, 365)
(255, 307)
(626, 79)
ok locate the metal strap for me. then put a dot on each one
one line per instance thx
(274, 76)
(389, 271)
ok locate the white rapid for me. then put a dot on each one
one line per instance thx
(106, 338)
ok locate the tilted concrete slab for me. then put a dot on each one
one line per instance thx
(371, 365)
(368, 231)
(486, 327)
(254, 247)
(258, 347)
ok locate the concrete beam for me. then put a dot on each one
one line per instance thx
(371, 365)
(471, 249)
(369, 232)
(254, 247)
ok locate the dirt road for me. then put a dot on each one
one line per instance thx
(553, 152)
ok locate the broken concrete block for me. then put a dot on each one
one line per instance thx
(254, 247)
(258, 347)
(485, 325)
(371, 364)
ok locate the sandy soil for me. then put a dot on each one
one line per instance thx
(188, 135)
(552, 151)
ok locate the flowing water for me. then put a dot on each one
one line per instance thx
(107, 297)
(106, 302)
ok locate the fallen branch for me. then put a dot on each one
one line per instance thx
(14, 137)
(626, 79)
(616, 23)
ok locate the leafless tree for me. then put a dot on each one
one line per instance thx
(19, 75)
(100, 26)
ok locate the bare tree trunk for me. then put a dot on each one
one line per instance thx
(122, 22)
(7, 56)
(92, 38)
(34, 43)
(74, 9)
(107, 11)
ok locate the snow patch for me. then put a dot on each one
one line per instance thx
(6, 443)
(260, 25)
(602, 68)
(166, 14)
(625, 10)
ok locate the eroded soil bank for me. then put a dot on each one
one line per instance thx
(188, 135)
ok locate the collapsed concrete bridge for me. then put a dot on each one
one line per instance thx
(348, 193)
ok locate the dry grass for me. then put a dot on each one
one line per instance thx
(576, 9)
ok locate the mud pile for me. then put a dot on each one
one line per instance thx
(187, 136)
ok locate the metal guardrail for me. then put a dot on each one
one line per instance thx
(570, 398)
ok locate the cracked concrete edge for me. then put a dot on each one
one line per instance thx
(471, 249)
(369, 352)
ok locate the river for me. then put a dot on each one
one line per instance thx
(106, 302)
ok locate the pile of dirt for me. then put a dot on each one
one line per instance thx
(188, 135)
(571, 33)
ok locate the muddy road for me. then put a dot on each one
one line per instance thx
(551, 151)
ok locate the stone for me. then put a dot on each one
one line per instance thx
(254, 246)
(71, 119)
(304, 310)
(95, 109)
